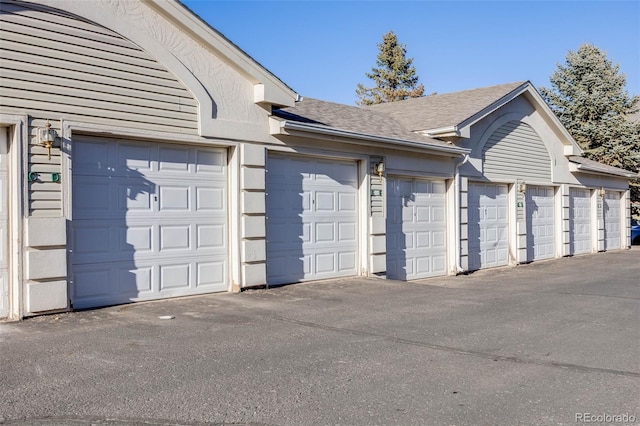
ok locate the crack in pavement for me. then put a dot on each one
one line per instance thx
(460, 351)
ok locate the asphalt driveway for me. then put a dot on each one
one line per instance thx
(549, 343)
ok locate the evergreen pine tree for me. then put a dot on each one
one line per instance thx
(395, 76)
(589, 97)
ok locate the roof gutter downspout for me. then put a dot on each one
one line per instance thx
(458, 225)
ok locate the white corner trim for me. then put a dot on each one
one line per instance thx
(17, 202)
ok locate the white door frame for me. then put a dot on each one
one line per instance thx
(16, 136)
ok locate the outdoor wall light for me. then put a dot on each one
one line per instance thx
(522, 187)
(380, 169)
(601, 192)
(48, 137)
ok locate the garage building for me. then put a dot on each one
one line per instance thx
(144, 156)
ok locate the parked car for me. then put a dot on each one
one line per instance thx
(635, 231)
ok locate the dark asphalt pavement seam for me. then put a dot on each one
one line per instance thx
(459, 351)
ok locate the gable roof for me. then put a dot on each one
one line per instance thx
(446, 110)
(316, 115)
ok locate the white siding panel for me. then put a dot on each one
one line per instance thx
(515, 151)
(54, 64)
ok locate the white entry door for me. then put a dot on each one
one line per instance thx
(312, 218)
(579, 221)
(4, 224)
(612, 219)
(416, 228)
(540, 222)
(488, 225)
(149, 221)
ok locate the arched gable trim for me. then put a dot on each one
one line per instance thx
(545, 168)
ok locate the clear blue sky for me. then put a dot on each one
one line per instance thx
(322, 49)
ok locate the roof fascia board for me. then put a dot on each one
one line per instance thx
(270, 89)
(290, 128)
(465, 126)
(442, 132)
(583, 168)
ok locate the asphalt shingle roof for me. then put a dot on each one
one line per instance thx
(449, 109)
(350, 118)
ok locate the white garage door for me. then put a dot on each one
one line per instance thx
(488, 225)
(416, 229)
(579, 221)
(149, 221)
(540, 223)
(4, 226)
(612, 219)
(312, 219)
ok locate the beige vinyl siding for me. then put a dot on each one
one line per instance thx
(515, 151)
(55, 66)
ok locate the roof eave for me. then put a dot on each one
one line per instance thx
(465, 125)
(268, 89)
(292, 128)
(442, 132)
(594, 170)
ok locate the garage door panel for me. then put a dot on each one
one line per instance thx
(210, 274)
(210, 236)
(160, 223)
(210, 163)
(174, 237)
(312, 208)
(346, 261)
(174, 159)
(540, 202)
(93, 281)
(488, 225)
(134, 282)
(348, 232)
(138, 198)
(135, 238)
(175, 276)
(579, 221)
(91, 158)
(91, 197)
(347, 202)
(612, 219)
(416, 228)
(210, 199)
(173, 198)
